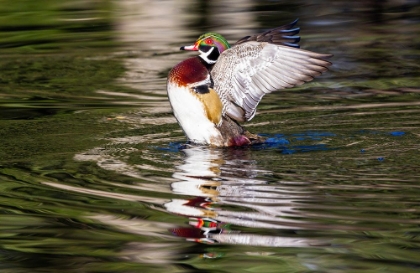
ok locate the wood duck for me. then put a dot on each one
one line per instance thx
(211, 93)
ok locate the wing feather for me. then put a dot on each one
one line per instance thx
(306, 76)
(284, 35)
(246, 72)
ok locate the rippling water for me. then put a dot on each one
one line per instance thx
(96, 175)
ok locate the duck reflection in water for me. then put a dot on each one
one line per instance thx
(223, 193)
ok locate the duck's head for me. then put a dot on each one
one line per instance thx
(210, 45)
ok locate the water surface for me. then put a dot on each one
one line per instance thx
(96, 177)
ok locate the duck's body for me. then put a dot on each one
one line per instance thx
(211, 93)
(198, 107)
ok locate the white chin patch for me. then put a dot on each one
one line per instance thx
(204, 56)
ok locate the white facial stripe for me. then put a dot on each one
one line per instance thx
(204, 56)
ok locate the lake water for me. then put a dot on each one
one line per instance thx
(95, 175)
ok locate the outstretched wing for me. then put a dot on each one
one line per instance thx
(246, 72)
(284, 35)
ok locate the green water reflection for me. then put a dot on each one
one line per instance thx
(93, 177)
(52, 26)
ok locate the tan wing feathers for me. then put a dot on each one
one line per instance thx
(248, 71)
(302, 74)
(305, 76)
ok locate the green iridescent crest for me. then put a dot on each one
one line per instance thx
(213, 39)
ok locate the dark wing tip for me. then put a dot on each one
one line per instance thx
(294, 22)
(291, 44)
(296, 30)
(242, 40)
(283, 35)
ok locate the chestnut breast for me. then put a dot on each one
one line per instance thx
(189, 71)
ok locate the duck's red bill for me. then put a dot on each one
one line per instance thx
(191, 47)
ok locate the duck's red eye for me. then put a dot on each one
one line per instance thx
(208, 41)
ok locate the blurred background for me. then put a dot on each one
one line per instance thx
(48, 26)
(379, 38)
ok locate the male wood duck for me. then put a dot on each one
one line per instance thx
(211, 93)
